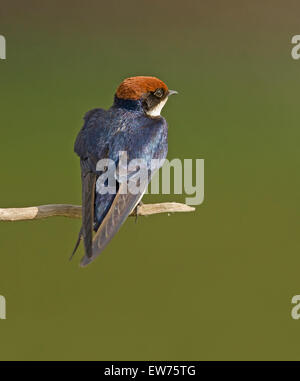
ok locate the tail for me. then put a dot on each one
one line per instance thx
(80, 236)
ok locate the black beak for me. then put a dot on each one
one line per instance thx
(172, 92)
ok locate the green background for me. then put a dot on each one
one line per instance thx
(211, 285)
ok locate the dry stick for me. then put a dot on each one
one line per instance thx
(74, 211)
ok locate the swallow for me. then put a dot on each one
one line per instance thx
(132, 125)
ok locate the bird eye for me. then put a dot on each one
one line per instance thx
(159, 93)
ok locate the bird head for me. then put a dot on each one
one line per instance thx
(150, 91)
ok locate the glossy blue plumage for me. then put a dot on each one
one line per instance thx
(124, 127)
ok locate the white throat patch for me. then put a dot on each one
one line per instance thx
(157, 109)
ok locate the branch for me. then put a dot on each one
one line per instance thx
(74, 211)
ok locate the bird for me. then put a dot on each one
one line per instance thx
(134, 125)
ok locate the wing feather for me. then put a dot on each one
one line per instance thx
(88, 181)
(88, 195)
(121, 207)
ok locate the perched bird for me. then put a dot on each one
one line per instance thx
(133, 125)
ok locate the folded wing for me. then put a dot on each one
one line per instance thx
(120, 209)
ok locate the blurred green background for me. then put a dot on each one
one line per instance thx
(211, 285)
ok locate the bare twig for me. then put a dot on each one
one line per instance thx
(74, 211)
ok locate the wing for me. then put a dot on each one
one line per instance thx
(121, 207)
(88, 180)
(147, 142)
(88, 176)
